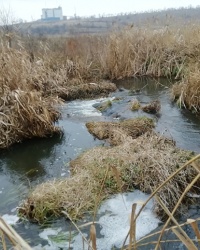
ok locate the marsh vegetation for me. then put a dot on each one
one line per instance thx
(38, 75)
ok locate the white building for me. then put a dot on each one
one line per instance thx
(52, 14)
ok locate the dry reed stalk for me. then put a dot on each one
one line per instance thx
(157, 233)
(187, 92)
(195, 228)
(182, 235)
(17, 242)
(132, 234)
(93, 237)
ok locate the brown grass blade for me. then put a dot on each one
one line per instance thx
(195, 227)
(3, 240)
(188, 243)
(166, 230)
(175, 208)
(93, 237)
(13, 237)
(132, 240)
(176, 223)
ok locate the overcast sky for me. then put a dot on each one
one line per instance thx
(31, 9)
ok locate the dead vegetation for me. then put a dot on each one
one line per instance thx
(152, 107)
(187, 92)
(30, 92)
(26, 115)
(135, 105)
(71, 68)
(156, 239)
(117, 132)
(145, 162)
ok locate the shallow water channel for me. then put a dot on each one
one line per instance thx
(33, 161)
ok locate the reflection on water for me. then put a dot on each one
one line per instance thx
(25, 158)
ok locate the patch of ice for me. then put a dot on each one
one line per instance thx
(115, 219)
(10, 219)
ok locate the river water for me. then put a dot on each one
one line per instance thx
(24, 165)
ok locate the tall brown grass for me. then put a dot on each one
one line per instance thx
(66, 67)
(31, 86)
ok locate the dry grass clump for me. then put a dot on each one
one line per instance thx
(117, 132)
(152, 107)
(145, 163)
(77, 90)
(135, 105)
(24, 110)
(26, 115)
(76, 195)
(187, 92)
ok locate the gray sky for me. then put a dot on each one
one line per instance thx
(31, 9)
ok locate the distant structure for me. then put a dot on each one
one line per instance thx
(53, 14)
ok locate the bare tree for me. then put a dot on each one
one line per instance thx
(9, 25)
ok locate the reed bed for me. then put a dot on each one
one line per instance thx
(32, 90)
(187, 92)
(166, 52)
(79, 67)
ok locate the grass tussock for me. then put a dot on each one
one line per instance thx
(26, 115)
(145, 162)
(135, 105)
(51, 197)
(117, 132)
(152, 107)
(104, 106)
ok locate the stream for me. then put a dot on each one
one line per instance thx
(26, 164)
